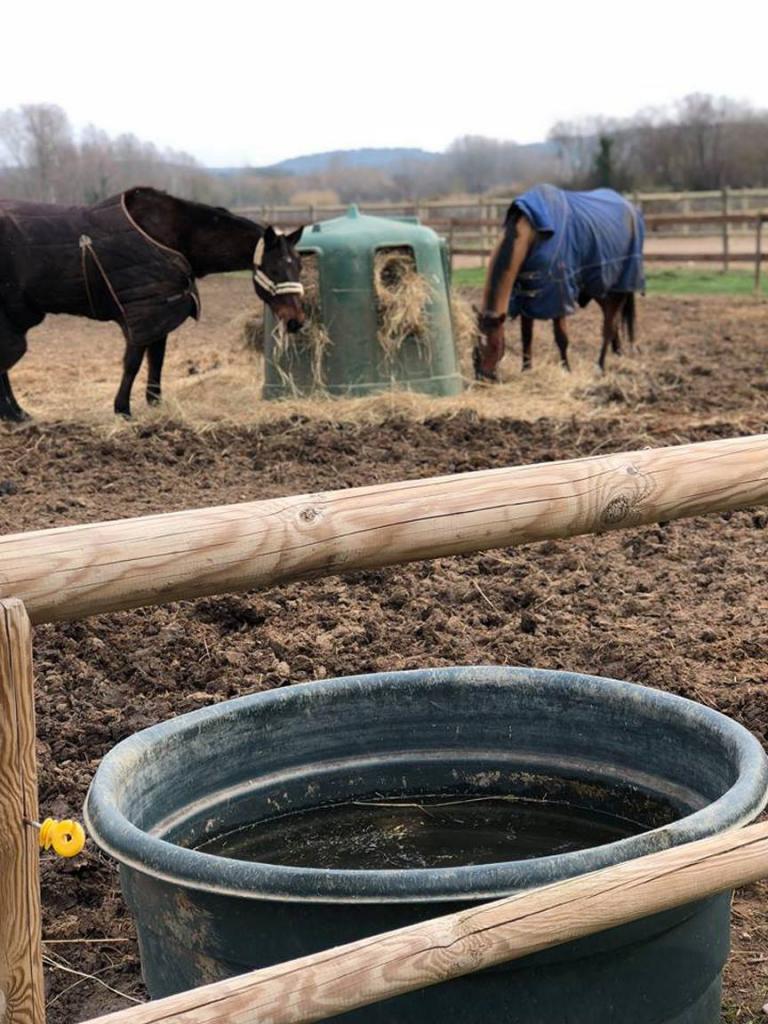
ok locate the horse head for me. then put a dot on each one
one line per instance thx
(276, 273)
(489, 347)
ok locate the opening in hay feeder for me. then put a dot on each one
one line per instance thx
(378, 313)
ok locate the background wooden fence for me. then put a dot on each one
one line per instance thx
(722, 226)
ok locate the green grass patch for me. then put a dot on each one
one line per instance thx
(684, 281)
(700, 282)
(469, 277)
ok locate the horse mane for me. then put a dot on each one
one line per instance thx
(200, 213)
(212, 238)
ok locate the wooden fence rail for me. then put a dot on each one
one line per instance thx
(383, 966)
(459, 231)
(483, 228)
(658, 257)
(75, 571)
(716, 200)
(656, 220)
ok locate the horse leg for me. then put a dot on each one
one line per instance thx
(155, 357)
(561, 340)
(12, 347)
(131, 366)
(610, 310)
(526, 335)
(618, 302)
(10, 409)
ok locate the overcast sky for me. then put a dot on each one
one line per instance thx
(251, 83)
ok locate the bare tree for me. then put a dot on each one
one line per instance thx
(700, 142)
(40, 158)
(98, 170)
(48, 146)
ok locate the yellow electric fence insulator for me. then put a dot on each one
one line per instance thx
(67, 837)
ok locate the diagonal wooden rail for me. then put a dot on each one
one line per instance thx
(383, 966)
(77, 571)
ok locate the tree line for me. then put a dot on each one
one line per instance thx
(700, 142)
(41, 157)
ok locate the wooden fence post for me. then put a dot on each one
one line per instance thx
(758, 249)
(724, 204)
(21, 969)
(483, 231)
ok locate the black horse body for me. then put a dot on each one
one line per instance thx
(132, 259)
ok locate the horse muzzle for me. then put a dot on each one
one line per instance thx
(290, 312)
(489, 376)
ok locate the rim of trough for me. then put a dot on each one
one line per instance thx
(141, 851)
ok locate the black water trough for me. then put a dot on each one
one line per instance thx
(487, 759)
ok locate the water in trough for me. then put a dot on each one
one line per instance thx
(432, 832)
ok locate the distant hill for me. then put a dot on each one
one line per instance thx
(381, 159)
(377, 158)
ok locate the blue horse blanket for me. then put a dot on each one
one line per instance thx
(588, 244)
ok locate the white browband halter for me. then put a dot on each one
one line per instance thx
(265, 281)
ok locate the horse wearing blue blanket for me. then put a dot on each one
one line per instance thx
(559, 251)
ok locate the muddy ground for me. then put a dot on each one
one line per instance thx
(682, 606)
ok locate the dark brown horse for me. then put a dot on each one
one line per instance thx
(559, 252)
(132, 259)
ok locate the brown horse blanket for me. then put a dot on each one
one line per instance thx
(93, 261)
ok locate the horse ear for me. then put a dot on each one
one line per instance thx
(295, 236)
(270, 235)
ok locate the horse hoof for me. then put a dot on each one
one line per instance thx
(153, 399)
(14, 415)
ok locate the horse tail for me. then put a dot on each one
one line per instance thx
(628, 317)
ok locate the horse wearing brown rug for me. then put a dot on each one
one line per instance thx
(132, 259)
(560, 250)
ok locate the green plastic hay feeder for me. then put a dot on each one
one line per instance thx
(354, 362)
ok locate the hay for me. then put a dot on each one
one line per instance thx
(313, 336)
(465, 332)
(402, 295)
(249, 328)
